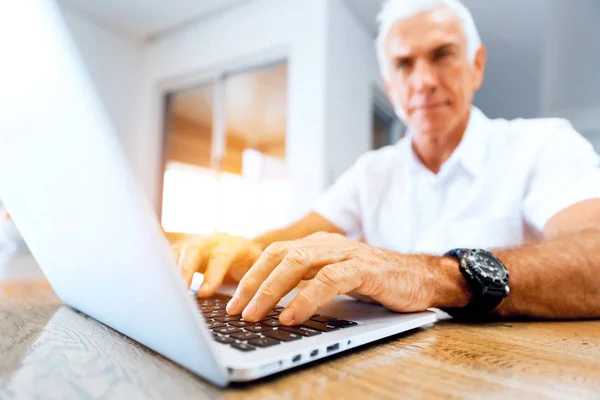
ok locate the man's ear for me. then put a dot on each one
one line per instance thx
(479, 65)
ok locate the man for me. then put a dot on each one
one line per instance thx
(458, 180)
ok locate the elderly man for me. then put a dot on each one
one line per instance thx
(458, 182)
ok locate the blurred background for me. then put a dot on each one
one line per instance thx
(237, 114)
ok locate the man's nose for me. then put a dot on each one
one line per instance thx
(424, 77)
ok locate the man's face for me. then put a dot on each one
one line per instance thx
(430, 79)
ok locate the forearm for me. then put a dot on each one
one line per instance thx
(553, 279)
(308, 225)
(277, 235)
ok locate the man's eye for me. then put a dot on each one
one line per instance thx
(442, 54)
(402, 64)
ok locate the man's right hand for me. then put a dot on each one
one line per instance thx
(215, 256)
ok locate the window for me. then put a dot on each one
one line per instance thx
(387, 129)
(225, 167)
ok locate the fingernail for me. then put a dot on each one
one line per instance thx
(203, 289)
(287, 317)
(250, 309)
(232, 305)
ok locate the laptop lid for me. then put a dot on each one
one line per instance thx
(65, 180)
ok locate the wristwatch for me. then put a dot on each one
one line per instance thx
(488, 279)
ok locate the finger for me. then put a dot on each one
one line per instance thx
(295, 266)
(250, 283)
(332, 280)
(193, 257)
(245, 259)
(190, 260)
(221, 259)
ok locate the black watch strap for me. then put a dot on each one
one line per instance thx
(479, 309)
(481, 305)
(458, 253)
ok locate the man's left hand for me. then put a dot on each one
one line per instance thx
(335, 265)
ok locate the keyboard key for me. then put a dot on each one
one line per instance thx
(280, 309)
(241, 323)
(263, 342)
(219, 306)
(282, 335)
(212, 314)
(244, 335)
(274, 314)
(223, 339)
(220, 296)
(271, 322)
(226, 330)
(301, 330)
(243, 346)
(341, 323)
(320, 326)
(258, 328)
(229, 318)
(322, 318)
(215, 324)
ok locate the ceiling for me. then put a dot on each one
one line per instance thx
(146, 18)
(511, 29)
(149, 18)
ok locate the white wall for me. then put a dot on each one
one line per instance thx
(543, 60)
(332, 69)
(331, 65)
(115, 65)
(514, 35)
(352, 76)
(572, 65)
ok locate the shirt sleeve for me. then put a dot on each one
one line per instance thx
(341, 203)
(566, 172)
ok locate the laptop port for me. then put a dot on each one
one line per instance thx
(314, 353)
(297, 358)
(333, 347)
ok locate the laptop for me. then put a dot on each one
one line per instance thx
(67, 184)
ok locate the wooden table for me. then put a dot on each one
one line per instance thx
(47, 350)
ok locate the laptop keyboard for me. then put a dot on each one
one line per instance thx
(249, 336)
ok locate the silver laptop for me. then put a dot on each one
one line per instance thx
(71, 193)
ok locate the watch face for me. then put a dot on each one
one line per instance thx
(488, 267)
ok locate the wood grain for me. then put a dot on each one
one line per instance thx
(50, 351)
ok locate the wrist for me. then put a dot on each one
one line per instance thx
(451, 289)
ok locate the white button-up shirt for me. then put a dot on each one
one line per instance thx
(503, 176)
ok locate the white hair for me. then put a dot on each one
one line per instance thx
(397, 10)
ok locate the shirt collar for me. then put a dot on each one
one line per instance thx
(471, 151)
